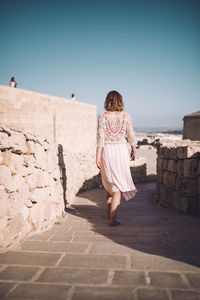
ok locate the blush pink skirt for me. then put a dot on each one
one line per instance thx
(115, 170)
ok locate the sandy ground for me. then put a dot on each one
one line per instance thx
(150, 155)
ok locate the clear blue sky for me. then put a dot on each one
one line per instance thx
(148, 50)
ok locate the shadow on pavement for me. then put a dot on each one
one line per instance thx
(146, 227)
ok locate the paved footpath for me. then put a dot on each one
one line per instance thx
(153, 255)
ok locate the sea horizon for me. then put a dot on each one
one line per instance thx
(159, 129)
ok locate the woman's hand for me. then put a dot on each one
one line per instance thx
(133, 153)
(98, 158)
(98, 162)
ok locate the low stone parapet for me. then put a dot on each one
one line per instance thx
(178, 175)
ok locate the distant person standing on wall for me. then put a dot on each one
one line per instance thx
(72, 97)
(12, 82)
(112, 156)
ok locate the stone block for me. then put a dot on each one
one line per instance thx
(167, 280)
(36, 216)
(40, 156)
(78, 276)
(179, 294)
(171, 179)
(5, 177)
(30, 145)
(165, 163)
(29, 258)
(24, 212)
(17, 273)
(172, 165)
(185, 204)
(12, 231)
(187, 186)
(159, 163)
(5, 287)
(29, 161)
(39, 195)
(184, 152)
(3, 222)
(180, 167)
(16, 182)
(104, 293)
(194, 279)
(15, 204)
(6, 157)
(92, 261)
(151, 294)
(18, 142)
(190, 167)
(4, 141)
(173, 152)
(31, 180)
(52, 159)
(3, 203)
(42, 178)
(160, 176)
(133, 278)
(40, 291)
(25, 171)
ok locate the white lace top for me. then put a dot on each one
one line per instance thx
(114, 129)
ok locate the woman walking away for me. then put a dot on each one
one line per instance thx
(112, 156)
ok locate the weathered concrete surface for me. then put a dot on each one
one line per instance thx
(153, 255)
(69, 123)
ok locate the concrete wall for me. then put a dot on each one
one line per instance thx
(70, 123)
(191, 128)
(178, 176)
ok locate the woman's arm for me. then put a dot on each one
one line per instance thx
(98, 157)
(100, 141)
(131, 137)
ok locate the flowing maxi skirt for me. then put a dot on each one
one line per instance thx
(115, 170)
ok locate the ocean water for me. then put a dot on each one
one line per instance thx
(173, 130)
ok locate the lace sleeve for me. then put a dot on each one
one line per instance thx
(100, 132)
(129, 131)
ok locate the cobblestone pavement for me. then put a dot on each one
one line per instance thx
(153, 255)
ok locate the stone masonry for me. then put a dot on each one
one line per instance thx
(178, 175)
(31, 193)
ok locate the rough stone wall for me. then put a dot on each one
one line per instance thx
(178, 176)
(31, 194)
(69, 123)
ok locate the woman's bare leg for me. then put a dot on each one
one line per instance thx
(108, 200)
(116, 198)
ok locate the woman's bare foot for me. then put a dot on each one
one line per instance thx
(115, 223)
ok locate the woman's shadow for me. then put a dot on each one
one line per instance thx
(146, 227)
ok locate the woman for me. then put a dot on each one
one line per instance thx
(112, 156)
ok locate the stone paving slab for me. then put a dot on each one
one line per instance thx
(76, 276)
(93, 261)
(19, 273)
(153, 255)
(54, 246)
(29, 258)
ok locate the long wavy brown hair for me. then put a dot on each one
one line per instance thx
(114, 102)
